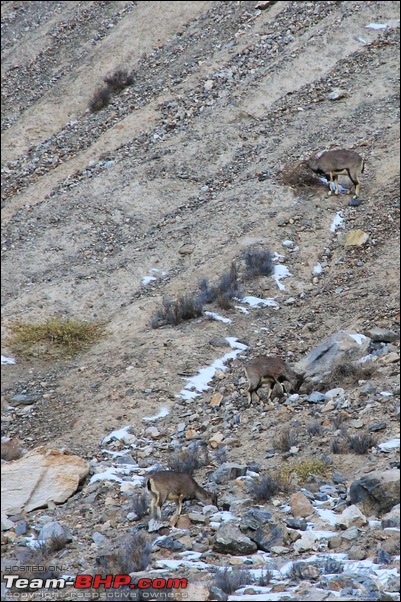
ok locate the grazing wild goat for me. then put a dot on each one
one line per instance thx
(168, 485)
(271, 370)
(332, 164)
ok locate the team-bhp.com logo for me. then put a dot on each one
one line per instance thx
(109, 582)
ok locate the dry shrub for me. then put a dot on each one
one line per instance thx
(298, 175)
(100, 99)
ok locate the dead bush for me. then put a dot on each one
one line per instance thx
(131, 555)
(258, 262)
(186, 307)
(229, 580)
(298, 175)
(264, 489)
(119, 79)
(100, 99)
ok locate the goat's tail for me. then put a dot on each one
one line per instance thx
(363, 165)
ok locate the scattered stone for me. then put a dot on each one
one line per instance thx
(377, 426)
(343, 346)
(186, 249)
(351, 534)
(376, 493)
(230, 540)
(392, 519)
(216, 400)
(228, 472)
(24, 399)
(315, 397)
(356, 423)
(300, 505)
(296, 523)
(52, 530)
(354, 238)
(383, 335)
(307, 542)
(352, 517)
(215, 440)
(337, 94)
(41, 476)
(305, 571)
(99, 538)
(255, 518)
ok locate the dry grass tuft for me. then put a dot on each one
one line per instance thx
(55, 337)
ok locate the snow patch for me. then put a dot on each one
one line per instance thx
(359, 338)
(7, 360)
(256, 302)
(119, 434)
(392, 444)
(217, 317)
(200, 382)
(280, 272)
(318, 269)
(338, 221)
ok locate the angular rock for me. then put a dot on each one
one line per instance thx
(268, 537)
(228, 471)
(230, 540)
(352, 517)
(305, 571)
(300, 505)
(296, 523)
(254, 519)
(42, 476)
(343, 346)
(354, 238)
(376, 493)
(315, 397)
(52, 530)
(307, 542)
(392, 519)
(382, 335)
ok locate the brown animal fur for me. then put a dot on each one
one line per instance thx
(270, 370)
(177, 487)
(334, 163)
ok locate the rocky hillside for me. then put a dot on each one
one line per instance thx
(120, 196)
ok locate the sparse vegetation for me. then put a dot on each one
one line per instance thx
(140, 504)
(338, 446)
(229, 580)
(258, 263)
(119, 79)
(361, 443)
(287, 439)
(55, 337)
(188, 460)
(227, 288)
(349, 373)
(265, 577)
(302, 470)
(266, 488)
(132, 555)
(298, 176)
(100, 99)
(314, 428)
(186, 307)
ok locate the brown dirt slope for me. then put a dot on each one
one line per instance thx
(93, 202)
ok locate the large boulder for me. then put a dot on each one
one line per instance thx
(230, 540)
(40, 477)
(341, 347)
(377, 492)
